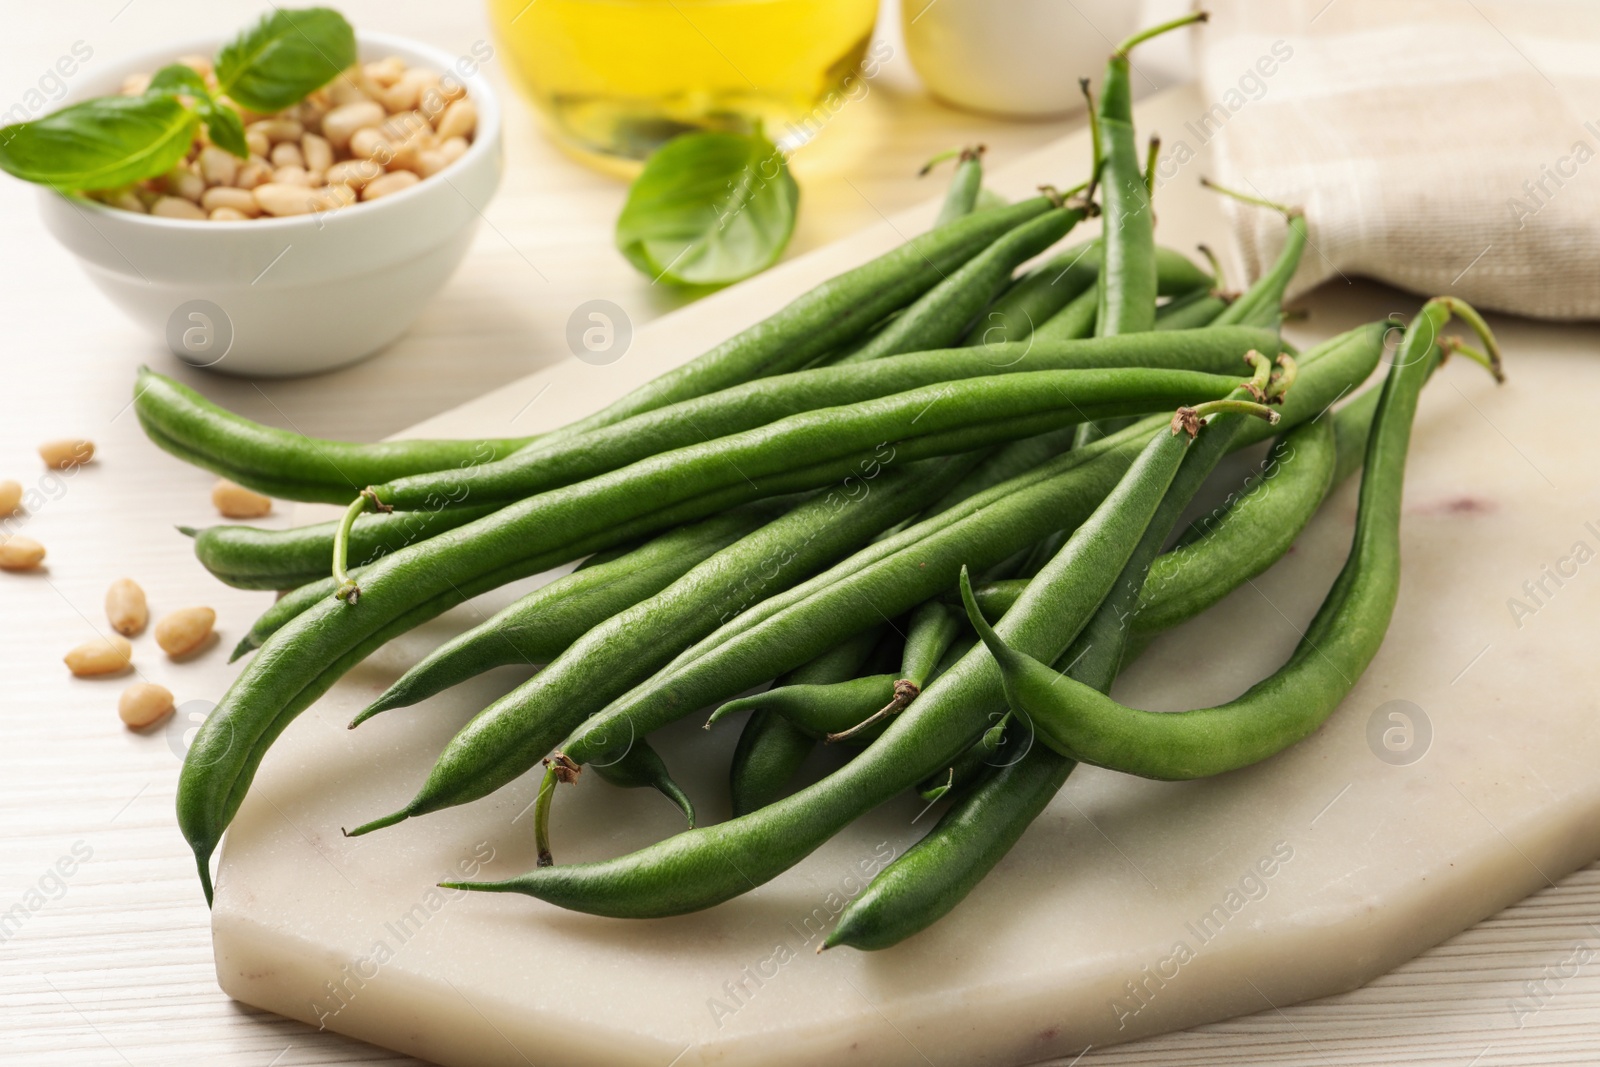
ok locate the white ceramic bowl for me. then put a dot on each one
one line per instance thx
(295, 295)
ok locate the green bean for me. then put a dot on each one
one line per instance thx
(1128, 278)
(931, 632)
(819, 710)
(1263, 304)
(942, 314)
(1192, 310)
(284, 464)
(1056, 284)
(1237, 546)
(1335, 650)
(641, 767)
(540, 626)
(962, 195)
(1076, 320)
(248, 557)
(771, 749)
(511, 734)
(988, 410)
(770, 752)
(702, 867)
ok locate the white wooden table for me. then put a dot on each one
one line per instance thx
(110, 962)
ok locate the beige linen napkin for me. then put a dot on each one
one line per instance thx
(1443, 146)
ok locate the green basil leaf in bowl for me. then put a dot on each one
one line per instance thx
(100, 144)
(223, 123)
(709, 209)
(285, 56)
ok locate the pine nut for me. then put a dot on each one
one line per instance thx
(401, 96)
(291, 175)
(353, 172)
(217, 166)
(287, 154)
(317, 152)
(184, 182)
(390, 183)
(126, 608)
(234, 501)
(340, 124)
(10, 497)
(254, 173)
(20, 554)
(257, 142)
(458, 120)
(144, 704)
(343, 90)
(184, 630)
(453, 148)
(333, 197)
(452, 88)
(176, 207)
(430, 162)
(103, 655)
(127, 200)
(228, 214)
(135, 84)
(277, 199)
(66, 453)
(278, 130)
(226, 196)
(386, 71)
(369, 143)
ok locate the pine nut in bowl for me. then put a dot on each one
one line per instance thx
(307, 256)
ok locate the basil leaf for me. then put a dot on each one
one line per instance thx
(223, 123)
(709, 209)
(100, 144)
(225, 128)
(177, 78)
(285, 56)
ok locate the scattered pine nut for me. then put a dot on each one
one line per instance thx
(184, 630)
(103, 655)
(66, 453)
(126, 608)
(10, 497)
(20, 554)
(234, 501)
(144, 704)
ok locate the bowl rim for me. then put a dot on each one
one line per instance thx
(478, 90)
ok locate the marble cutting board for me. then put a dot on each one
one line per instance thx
(1458, 777)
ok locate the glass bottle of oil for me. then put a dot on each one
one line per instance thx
(615, 79)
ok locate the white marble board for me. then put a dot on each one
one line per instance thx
(1074, 940)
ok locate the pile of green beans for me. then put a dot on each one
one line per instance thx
(918, 519)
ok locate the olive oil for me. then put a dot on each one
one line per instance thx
(615, 79)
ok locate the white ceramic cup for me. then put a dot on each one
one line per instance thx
(1019, 58)
(282, 296)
